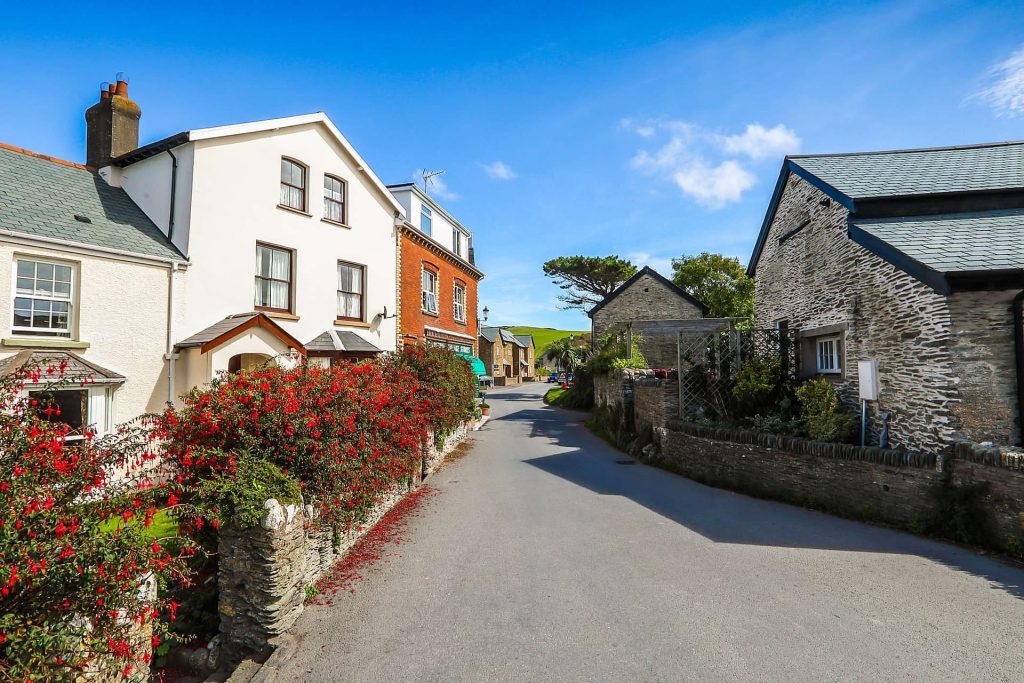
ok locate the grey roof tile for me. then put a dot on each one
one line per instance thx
(923, 171)
(41, 198)
(948, 243)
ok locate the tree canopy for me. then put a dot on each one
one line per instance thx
(587, 280)
(719, 281)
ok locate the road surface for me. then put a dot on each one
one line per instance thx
(546, 557)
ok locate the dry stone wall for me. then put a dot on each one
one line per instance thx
(264, 571)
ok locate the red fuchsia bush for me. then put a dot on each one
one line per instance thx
(346, 435)
(74, 552)
(447, 384)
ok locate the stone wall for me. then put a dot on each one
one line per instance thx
(655, 401)
(945, 364)
(264, 571)
(985, 365)
(646, 299)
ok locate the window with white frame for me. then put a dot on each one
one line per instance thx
(457, 241)
(293, 184)
(42, 298)
(829, 355)
(426, 220)
(429, 301)
(350, 291)
(334, 199)
(460, 303)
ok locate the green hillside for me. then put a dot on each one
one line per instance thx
(542, 336)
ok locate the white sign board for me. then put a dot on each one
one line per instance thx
(867, 373)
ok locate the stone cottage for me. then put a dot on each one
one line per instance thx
(913, 259)
(648, 302)
(508, 359)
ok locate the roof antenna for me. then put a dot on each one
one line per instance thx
(428, 177)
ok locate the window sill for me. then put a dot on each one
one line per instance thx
(44, 342)
(340, 225)
(280, 315)
(341, 322)
(430, 313)
(294, 210)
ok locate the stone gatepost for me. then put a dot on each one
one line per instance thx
(262, 578)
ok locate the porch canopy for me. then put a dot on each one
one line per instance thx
(237, 342)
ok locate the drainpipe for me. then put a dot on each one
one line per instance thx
(171, 357)
(174, 192)
(1018, 342)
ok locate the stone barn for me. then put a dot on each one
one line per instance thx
(913, 259)
(649, 303)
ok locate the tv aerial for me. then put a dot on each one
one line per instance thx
(428, 177)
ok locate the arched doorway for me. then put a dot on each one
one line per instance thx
(246, 361)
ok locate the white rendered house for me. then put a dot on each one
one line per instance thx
(290, 236)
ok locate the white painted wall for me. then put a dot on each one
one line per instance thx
(120, 309)
(234, 197)
(441, 225)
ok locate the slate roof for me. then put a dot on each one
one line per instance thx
(491, 335)
(975, 168)
(525, 340)
(76, 369)
(40, 197)
(341, 340)
(959, 242)
(236, 324)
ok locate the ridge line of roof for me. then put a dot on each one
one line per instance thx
(46, 157)
(909, 150)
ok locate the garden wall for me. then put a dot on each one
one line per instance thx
(893, 486)
(264, 571)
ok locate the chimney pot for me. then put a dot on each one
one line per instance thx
(104, 90)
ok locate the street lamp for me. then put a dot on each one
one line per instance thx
(486, 313)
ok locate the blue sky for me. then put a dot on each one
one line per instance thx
(647, 130)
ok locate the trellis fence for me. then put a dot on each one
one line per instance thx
(709, 365)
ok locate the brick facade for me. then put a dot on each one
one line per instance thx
(419, 252)
(946, 362)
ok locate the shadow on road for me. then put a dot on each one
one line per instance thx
(726, 517)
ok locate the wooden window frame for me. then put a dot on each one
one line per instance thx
(290, 280)
(304, 189)
(362, 294)
(344, 201)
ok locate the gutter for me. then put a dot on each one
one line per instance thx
(171, 355)
(174, 193)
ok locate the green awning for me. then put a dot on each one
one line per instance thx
(478, 365)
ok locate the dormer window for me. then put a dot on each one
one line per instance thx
(426, 220)
(293, 185)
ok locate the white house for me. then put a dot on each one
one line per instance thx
(88, 290)
(290, 236)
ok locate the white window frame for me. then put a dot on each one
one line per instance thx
(828, 355)
(457, 241)
(428, 299)
(43, 332)
(426, 220)
(459, 307)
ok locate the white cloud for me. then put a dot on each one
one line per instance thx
(436, 187)
(1006, 93)
(708, 167)
(646, 130)
(758, 142)
(642, 258)
(499, 170)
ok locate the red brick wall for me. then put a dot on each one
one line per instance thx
(413, 319)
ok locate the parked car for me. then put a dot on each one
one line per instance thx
(553, 378)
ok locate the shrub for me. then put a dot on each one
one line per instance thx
(238, 492)
(345, 434)
(611, 354)
(70, 577)
(778, 424)
(826, 418)
(447, 384)
(759, 385)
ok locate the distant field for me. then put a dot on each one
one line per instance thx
(542, 336)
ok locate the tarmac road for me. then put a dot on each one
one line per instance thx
(545, 557)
